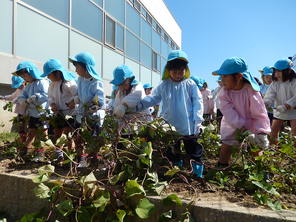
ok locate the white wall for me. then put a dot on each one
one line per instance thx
(161, 13)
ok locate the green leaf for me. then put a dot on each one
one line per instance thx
(173, 171)
(47, 143)
(83, 215)
(120, 214)
(47, 169)
(166, 216)
(102, 201)
(62, 140)
(65, 208)
(42, 191)
(172, 199)
(267, 187)
(274, 205)
(89, 181)
(114, 180)
(144, 208)
(40, 179)
(133, 188)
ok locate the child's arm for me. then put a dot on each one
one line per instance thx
(150, 100)
(291, 103)
(12, 96)
(98, 91)
(270, 95)
(197, 105)
(229, 113)
(134, 97)
(41, 94)
(71, 87)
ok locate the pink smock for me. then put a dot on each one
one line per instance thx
(242, 109)
(207, 101)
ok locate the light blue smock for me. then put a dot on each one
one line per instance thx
(39, 88)
(263, 89)
(87, 90)
(181, 104)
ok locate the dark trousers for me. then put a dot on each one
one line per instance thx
(192, 148)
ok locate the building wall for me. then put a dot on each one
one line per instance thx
(114, 31)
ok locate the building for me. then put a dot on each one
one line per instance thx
(136, 33)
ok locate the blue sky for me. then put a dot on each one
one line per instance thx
(259, 31)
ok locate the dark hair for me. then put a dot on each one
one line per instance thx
(244, 80)
(258, 81)
(21, 71)
(79, 63)
(205, 85)
(176, 64)
(288, 75)
(62, 77)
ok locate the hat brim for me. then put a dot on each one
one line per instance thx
(71, 59)
(251, 80)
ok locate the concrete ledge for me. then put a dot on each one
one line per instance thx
(17, 198)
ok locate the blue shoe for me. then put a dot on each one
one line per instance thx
(198, 169)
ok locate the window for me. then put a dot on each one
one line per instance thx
(137, 5)
(133, 19)
(110, 32)
(165, 37)
(132, 46)
(143, 12)
(58, 9)
(164, 49)
(155, 41)
(119, 37)
(155, 61)
(90, 24)
(146, 55)
(98, 2)
(146, 32)
(158, 29)
(149, 18)
(116, 9)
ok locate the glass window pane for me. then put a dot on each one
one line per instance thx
(146, 32)
(99, 2)
(164, 49)
(132, 19)
(155, 61)
(146, 55)
(58, 9)
(110, 31)
(137, 5)
(116, 9)
(90, 24)
(119, 37)
(155, 41)
(132, 46)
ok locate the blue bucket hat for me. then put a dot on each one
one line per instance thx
(89, 61)
(235, 65)
(267, 71)
(283, 64)
(176, 54)
(122, 73)
(147, 86)
(55, 65)
(198, 81)
(16, 81)
(31, 68)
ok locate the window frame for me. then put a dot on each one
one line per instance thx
(114, 32)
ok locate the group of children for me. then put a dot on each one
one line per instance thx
(183, 100)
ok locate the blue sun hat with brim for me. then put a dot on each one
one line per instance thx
(147, 86)
(16, 82)
(198, 81)
(55, 65)
(235, 65)
(283, 64)
(89, 61)
(30, 67)
(267, 71)
(122, 73)
(176, 54)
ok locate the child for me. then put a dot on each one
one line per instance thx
(266, 78)
(242, 107)
(182, 107)
(90, 98)
(148, 88)
(62, 91)
(18, 83)
(217, 102)
(282, 94)
(35, 95)
(130, 92)
(207, 101)
(112, 99)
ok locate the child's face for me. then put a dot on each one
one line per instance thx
(125, 85)
(81, 71)
(177, 75)
(148, 91)
(267, 80)
(55, 76)
(25, 75)
(232, 81)
(278, 74)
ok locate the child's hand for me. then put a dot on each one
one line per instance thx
(281, 108)
(32, 99)
(71, 104)
(54, 107)
(262, 140)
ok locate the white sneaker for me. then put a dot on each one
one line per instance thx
(83, 163)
